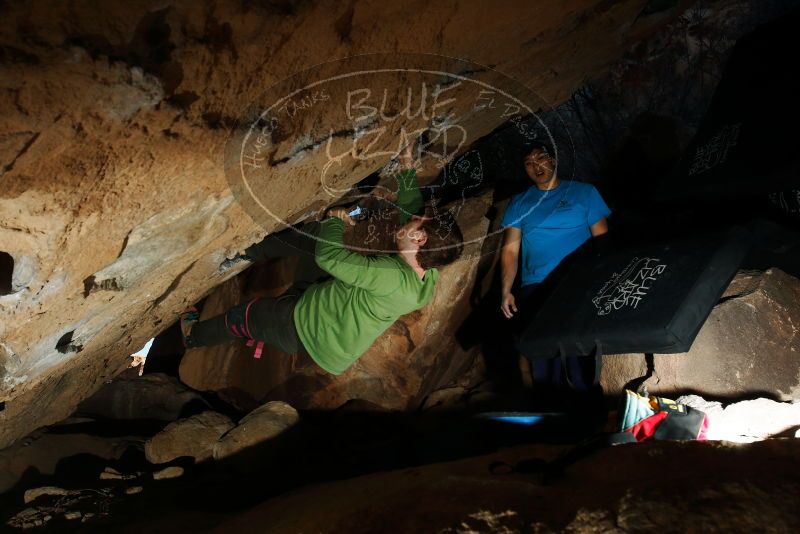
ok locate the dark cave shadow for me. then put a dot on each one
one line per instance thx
(30, 477)
(330, 446)
(322, 447)
(112, 428)
(77, 471)
(776, 244)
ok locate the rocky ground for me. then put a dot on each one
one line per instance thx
(194, 466)
(116, 213)
(313, 475)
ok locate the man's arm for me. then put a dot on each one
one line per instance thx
(407, 195)
(597, 213)
(599, 228)
(368, 272)
(509, 260)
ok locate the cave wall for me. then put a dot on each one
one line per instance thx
(748, 346)
(416, 355)
(114, 117)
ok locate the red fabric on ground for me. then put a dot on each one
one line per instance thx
(645, 428)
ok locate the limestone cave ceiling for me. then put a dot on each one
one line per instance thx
(116, 210)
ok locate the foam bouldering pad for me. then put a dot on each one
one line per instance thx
(652, 298)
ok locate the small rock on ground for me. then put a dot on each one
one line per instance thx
(34, 493)
(168, 472)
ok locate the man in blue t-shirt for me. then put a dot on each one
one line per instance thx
(547, 222)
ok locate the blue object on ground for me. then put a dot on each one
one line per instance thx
(518, 418)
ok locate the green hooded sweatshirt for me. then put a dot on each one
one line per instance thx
(337, 320)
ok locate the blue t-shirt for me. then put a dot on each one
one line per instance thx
(553, 223)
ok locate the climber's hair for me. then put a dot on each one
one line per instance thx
(539, 145)
(445, 242)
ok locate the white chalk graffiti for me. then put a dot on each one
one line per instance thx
(787, 201)
(715, 151)
(629, 287)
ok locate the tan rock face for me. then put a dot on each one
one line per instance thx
(256, 428)
(113, 120)
(167, 473)
(749, 345)
(152, 396)
(194, 436)
(414, 356)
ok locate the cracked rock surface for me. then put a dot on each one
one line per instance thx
(749, 345)
(113, 120)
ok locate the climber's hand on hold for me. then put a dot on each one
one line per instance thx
(384, 193)
(341, 213)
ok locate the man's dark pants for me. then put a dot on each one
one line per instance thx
(268, 319)
(548, 373)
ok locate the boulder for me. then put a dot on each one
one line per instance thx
(109, 473)
(648, 487)
(257, 427)
(116, 209)
(415, 356)
(152, 396)
(49, 491)
(42, 451)
(195, 437)
(167, 473)
(749, 345)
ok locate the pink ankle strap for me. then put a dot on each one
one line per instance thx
(259, 347)
(243, 330)
(246, 329)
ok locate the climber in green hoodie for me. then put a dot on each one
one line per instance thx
(335, 320)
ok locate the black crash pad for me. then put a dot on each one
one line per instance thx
(651, 298)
